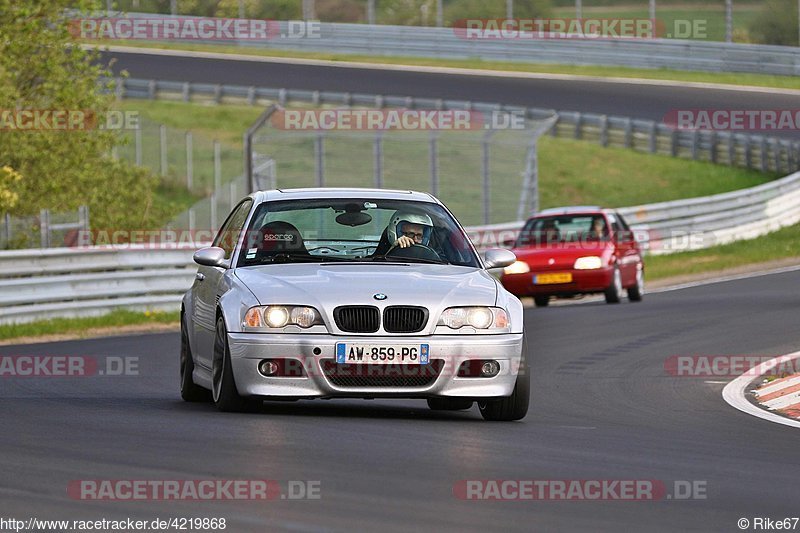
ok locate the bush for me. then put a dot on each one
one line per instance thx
(493, 9)
(776, 24)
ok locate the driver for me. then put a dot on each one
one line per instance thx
(406, 229)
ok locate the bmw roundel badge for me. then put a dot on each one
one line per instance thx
(380, 296)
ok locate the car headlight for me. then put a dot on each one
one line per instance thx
(476, 317)
(518, 267)
(590, 262)
(279, 316)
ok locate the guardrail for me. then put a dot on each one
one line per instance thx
(753, 151)
(445, 43)
(64, 282)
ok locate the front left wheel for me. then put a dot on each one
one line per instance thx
(514, 407)
(224, 392)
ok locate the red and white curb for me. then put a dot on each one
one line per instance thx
(782, 395)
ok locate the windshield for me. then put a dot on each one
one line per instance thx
(563, 228)
(351, 229)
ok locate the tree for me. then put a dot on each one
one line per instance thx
(776, 24)
(41, 68)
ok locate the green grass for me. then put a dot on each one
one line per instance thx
(79, 325)
(729, 78)
(781, 244)
(571, 171)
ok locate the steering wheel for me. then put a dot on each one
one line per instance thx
(415, 251)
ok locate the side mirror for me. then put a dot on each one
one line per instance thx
(211, 256)
(498, 258)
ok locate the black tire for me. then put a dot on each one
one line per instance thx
(190, 392)
(636, 293)
(224, 393)
(614, 291)
(541, 301)
(449, 404)
(514, 407)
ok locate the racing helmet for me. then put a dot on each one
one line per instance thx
(400, 218)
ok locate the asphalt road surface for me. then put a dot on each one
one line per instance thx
(603, 408)
(651, 102)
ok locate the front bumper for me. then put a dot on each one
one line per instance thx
(583, 281)
(248, 349)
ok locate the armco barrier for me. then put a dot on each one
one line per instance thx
(65, 282)
(759, 152)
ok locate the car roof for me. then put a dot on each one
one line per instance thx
(573, 210)
(341, 192)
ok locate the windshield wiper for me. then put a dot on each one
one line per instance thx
(401, 259)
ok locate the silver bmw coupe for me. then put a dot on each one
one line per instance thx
(351, 293)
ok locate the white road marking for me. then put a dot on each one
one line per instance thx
(445, 70)
(733, 393)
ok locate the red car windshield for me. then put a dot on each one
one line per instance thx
(563, 228)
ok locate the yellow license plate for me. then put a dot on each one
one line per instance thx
(551, 279)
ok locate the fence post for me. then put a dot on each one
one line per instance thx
(695, 143)
(83, 217)
(487, 189)
(776, 153)
(217, 180)
(604, 131)
(653, 140)
(675, 143)
(137, 139)
(578, 126)
(44, 228)
(628, 133)
(762, 148)
(731, 149)
(151, 90)
(162, 139)
(712, 146)
(748, 153)
(8, 229)
(186, 91)
(189, 161)
(377, 160)
(433, 158)
(319, 158)
(192, 222)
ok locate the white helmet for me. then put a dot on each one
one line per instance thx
(395, 228)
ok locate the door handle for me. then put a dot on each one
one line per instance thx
(199, 276)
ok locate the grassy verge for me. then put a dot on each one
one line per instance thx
(571, 171)
(114, 319)
(758, 80)
(781, 244)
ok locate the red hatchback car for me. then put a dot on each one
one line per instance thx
(570, 251)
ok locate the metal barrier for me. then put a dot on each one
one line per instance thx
(64, 282)
(447, 43)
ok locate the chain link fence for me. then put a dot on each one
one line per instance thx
(47, 230)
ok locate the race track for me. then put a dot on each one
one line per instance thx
(650, 101)
(603, 408)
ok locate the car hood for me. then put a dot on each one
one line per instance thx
(329, 285)
(562, 256)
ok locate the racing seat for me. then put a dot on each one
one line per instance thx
(279, 237)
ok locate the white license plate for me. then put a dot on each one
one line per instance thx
(382, 354)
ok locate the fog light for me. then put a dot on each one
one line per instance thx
(268, 367)
(490, 369)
